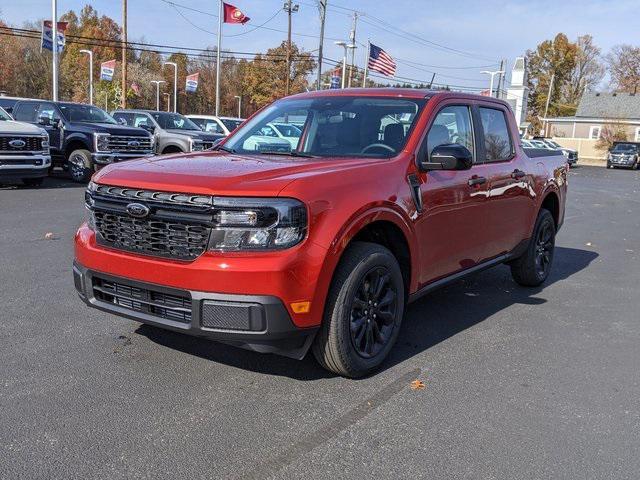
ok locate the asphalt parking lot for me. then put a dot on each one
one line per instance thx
(519, 383)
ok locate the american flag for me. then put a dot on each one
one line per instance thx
(380, 61)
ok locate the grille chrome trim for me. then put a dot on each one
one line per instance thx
(123, 144)
(150, 195)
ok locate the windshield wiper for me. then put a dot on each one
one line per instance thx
(292, 153)
(224, 149)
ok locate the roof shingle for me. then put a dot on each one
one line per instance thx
(609, 105)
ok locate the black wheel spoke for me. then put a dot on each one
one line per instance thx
(387, 299)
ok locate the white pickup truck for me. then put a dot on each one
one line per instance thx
(24, 151)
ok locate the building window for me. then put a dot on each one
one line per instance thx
(637, 134)
(594, 132)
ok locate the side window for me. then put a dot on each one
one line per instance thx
(212, 126)
(497, 140)
(48, 110)
(142, 121)
(123, 118)
(451, 125)
(26, 112)
(267, 132)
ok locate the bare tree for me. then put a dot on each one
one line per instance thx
(624, 68)
(587, 72)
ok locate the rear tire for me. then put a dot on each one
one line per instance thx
(363, 313)
(80, 165)
(533, 267)
(32, 182)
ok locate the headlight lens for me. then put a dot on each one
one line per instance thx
(257, 224)
(88, 203)
(44, 143)
(101, 142)
(195, 145)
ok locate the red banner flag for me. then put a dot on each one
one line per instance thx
(234, 14)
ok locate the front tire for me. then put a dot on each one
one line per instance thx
(363, 312)
(80, 166)
(534, 266)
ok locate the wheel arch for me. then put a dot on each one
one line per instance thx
(551, 202)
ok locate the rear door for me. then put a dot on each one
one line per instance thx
(511, 197)
(450, 225)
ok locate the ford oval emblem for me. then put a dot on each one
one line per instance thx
(138, 210)
(133, 143)
(17, 143)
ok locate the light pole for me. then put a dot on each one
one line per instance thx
(90, 53)
(493, 74)
(168, 95)
(158, 82)
(239, 97)
(175, 84)
(346, 46)
(289, 8)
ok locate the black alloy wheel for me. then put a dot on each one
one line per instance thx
(373, 312)
(544, 249)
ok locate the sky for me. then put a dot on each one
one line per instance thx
(454, 39)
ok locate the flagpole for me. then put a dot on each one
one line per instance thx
(366, 65)
(54, 48)
(221, 17)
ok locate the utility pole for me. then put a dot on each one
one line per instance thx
(366, 64)
(239, 97)
(433, 77)
(175, 85)
(352, 39)
(90, 53)
(322, 4)
(500, 79)
(54, 49)
(124, 53)
(158, 82)
(289, 8)
(218, 52)
(546, 107)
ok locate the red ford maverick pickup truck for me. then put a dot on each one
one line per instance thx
(319, 240)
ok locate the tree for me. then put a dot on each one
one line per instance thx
(612, 132)
(587, 72)
(624, 68)
(265, 75)
(552, 58)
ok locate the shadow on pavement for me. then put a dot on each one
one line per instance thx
(431, 320)
(57, 180)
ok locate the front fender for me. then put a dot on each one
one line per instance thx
(78, 137)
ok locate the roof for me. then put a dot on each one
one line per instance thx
(609, 105)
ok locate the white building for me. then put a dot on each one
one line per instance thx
(518, 92)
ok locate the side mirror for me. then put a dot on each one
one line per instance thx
(44, 120)
(450, 156)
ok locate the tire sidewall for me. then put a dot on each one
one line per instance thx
(545, 217)
(80, 173)
(342, 309)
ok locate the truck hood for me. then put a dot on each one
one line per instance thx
(11, 127)
(219, 173)
(107, 128)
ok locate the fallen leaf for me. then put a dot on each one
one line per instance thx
(49, 236)
(588, 244)
(417, 385)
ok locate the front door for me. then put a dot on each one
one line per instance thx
(54, 129)
(450, 226)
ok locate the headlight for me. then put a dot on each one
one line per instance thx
(195, 145)
(88, 203)
(44, 142)
(565, 153)
(257, 224)
(101, 142)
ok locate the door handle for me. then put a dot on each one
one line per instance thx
(476, 181)
(518, 174)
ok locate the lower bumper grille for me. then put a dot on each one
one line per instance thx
(151, 302)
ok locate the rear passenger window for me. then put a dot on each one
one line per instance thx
(497, 141)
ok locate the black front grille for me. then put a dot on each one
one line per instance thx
(144, 300)
(151, 236)
(129, 144)
(32, 144)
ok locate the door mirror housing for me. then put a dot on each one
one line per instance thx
(450, 156)
(44, 120)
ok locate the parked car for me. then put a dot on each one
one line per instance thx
(24, 151)
(173, 132)
(624, 154)
(83, 138)
(213, 124)
(320, 247)
(570, 153)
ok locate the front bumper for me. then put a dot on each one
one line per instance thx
(622, 162)
(111, 157)
(260, 323)
(17, 166)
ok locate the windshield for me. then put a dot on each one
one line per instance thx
(553, 144)
(174, 121)
(4, 115)
(85, 114)
(230, 123)
(330, 126)
(624, 147)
